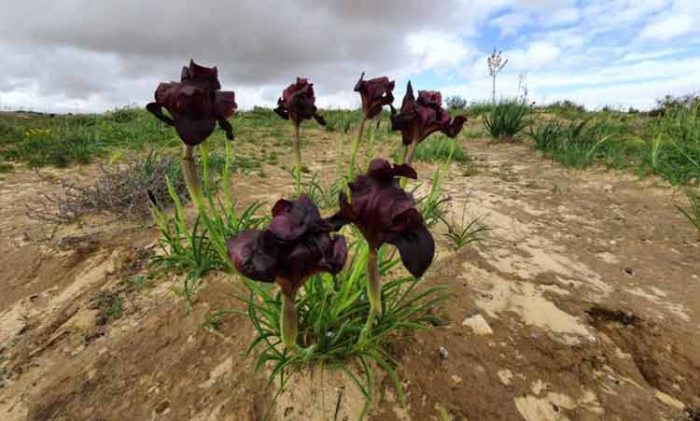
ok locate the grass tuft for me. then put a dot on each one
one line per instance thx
(692, 211)
(332, 314)
(506, 120)
(463, 231)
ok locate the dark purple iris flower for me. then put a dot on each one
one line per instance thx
(375, 93)
(298, 103)
(419, 118)
(294, 246)
(385, 213)
(195, 104)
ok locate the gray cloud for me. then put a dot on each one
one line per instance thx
(76, 45)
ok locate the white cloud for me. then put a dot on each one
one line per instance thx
(648, 55)
(668, 27)
(559, 17)
(683, 18)
(511, 23)
(438, 51)
(537, 55)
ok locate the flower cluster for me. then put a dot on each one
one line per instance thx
(299, 242)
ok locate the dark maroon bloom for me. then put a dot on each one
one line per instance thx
(298, 103)
(385, 213)
(294, 246)
(419, 118)
(375, 93)
(195, 104)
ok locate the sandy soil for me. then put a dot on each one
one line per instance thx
(582, 303)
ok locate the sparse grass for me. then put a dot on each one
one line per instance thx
(436, 148)
(140, 281)
(439, 147)
(692, 211)
(3, 370)
(200, 247)
(667, 145)
(342, 121)
(110, 305)
(5, 167)
(673, 148)
(213, 319)
(63, 140)
(432, 206)
(577, 144)
(325, 197)
(476, 108)
(40, 140)
(506, 120)
(463, 231)
(566, 108)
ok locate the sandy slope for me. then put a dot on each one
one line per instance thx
(582, 303)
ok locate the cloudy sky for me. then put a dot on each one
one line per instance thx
(92, 55)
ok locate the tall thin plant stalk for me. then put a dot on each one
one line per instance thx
(496, 63)
(189, 173)
(408, 154)
(356, 147)
(297, 159)
(374, 290)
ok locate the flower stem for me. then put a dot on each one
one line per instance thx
(408, 159)
(297, 160)
(374, 291)
(288, 323)
(189, 173)
(356, 147)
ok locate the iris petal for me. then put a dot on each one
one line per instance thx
(227, 128)
(156, 109)
(224, 104)
(319, 119)
(253, 256)
(381, 170)
(453, 129)
(193, 131)
(339, 254)
(281, 111)
(417, 249)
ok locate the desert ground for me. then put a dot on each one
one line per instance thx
(581, 302)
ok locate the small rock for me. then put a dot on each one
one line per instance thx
(456, 379)
(608, 188)
(505, 376)
(478, 324)
(443, 353)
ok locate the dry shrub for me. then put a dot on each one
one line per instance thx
(119, 190)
